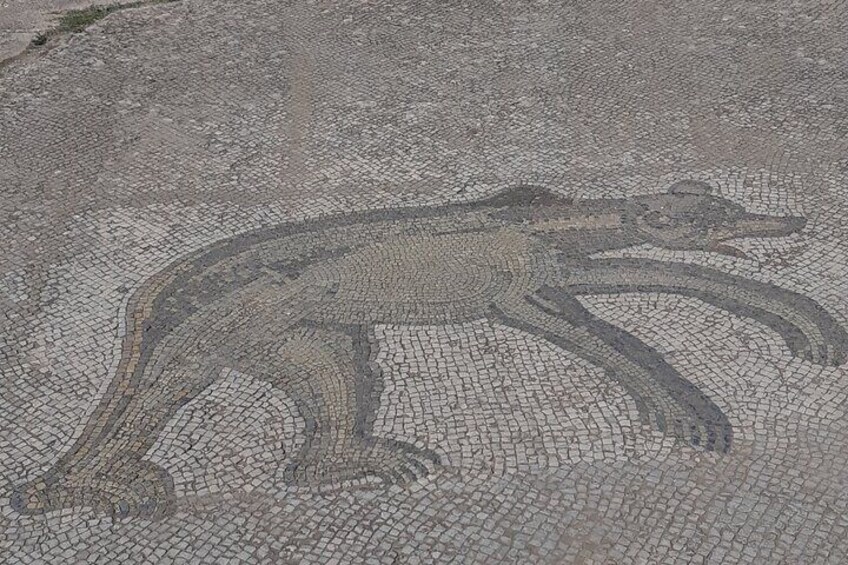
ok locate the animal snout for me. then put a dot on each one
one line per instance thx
(755, 225)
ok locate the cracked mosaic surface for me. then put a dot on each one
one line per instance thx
(405, 282)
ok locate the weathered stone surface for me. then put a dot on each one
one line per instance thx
(22, 20)
(408, 282)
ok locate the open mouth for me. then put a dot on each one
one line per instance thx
(753, 225)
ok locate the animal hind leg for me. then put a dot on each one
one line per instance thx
(662, 396)
(327, 372)
(106, 468)
(112, 476)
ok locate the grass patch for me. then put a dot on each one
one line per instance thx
(75, 21)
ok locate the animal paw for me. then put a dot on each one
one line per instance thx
(128, 487)
(392, 462)
(815, 336)
(833, 352)
(705, 428)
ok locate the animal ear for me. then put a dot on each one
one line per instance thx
(694, 187)
(524, 195)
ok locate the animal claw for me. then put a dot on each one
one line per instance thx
(391, 462)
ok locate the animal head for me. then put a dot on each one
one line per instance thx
(690, 217)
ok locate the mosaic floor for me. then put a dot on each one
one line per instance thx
(426, 282)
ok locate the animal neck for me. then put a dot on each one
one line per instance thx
(590, 226)
(582, 222)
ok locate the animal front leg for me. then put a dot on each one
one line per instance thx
(326, 371)
(662, 396)
(808, 329)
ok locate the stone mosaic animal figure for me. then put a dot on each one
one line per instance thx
(296, 305)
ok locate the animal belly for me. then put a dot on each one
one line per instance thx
(426, 279)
